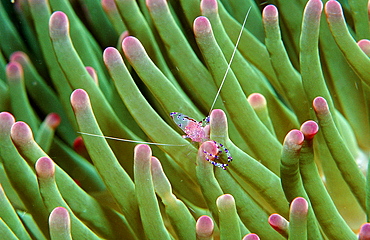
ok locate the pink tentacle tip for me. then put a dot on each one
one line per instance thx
(202, 26)
(156, 165)
(320, 105)
(204, 226)
(199, 132)
(364, 45)
(79, 145)
(124, 35)
(294, 139)
(309, 129)
(208, 6)
(6, 121)
(277, 222)
(19, 57)
(79, 99)
(270, 13)
(333, 8)
(210, 147)
(142, 152)
(58, 215)
(45, 167)
(21, 133)
(315, 5)
(112, 56)
(218, 123)
(58, 24)
(53, 120)
(129, 40)
(364, 232)
(257, 100)
(299, 205)
(251, 236)
(14, 71)
(211, 151)
(133, 48)
(92, 73)
(217, 115)
(225, 201)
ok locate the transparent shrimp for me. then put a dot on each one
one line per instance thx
(196, 130)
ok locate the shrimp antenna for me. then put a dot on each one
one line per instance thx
(132, 141)
(231, 60)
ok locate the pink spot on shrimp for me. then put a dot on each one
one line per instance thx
(196, 132)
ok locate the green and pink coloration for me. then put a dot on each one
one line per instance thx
(286, 93)
(198, 132)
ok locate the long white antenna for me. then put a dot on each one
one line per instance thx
(127, 140)
(213, 104)
(231, 60)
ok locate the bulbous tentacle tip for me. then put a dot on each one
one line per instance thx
(79, 145)
(53, 120)
(257, 101)
(45, 167)
(320, 105)
(19, 57)
(208, 152)
(299, 206)
(92, 73)
(142, 152)
(58, 24)
(21, 133)
(209, 146)
(112, 59)
(59, 215)
(279, 223)
(315, 4)
(14, 71)
(123, 35)
(133, 49)
(204, 227)
(79, 99)
(364, 232)
(218, 122)
(6, 121)
(156, 165)
(111, 55)
(60, 223)
(251, 236)
(274, 219)
(218, 115)
(130, 41)
(225, 201)
(294, 139)
(202, 26)
(313, 10)
(270, 13)
(208, 6)
(309, 129)
(364, 44)
(333, 9)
